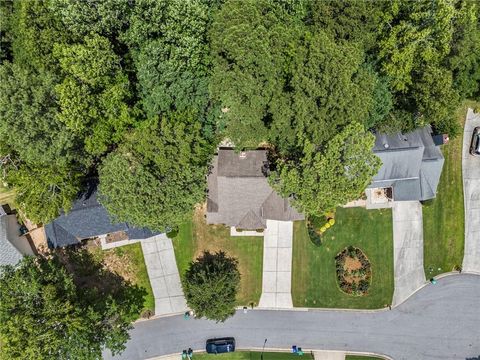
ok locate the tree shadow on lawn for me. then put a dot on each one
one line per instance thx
(96, 283)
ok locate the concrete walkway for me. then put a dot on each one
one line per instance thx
(277, 265)
(471, 191)
(163, 273)
(329, 355)
(408, 249)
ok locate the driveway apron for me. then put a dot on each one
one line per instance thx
(471, 191)
(163, 273)
(408, 249)
(277, 265)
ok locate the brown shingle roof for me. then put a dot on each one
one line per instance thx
(239, 194)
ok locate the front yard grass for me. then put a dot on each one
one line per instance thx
(444, 219)
(252, 355)
(128, 262)
(196, 236)
(314, 282)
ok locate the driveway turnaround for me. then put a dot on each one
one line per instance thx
(439, 322)
(277, 265)
(408, 249)
(163, 273)
(471, 191)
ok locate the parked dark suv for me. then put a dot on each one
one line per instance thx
(475, 146)
(222, 345)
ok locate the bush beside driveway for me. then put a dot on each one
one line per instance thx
(314, 282)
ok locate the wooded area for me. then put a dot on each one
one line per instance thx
(138, 94)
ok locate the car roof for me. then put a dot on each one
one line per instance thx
(220, 340)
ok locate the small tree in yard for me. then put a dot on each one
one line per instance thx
(64, 306)
(211, 285)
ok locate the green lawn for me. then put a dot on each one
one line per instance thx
(359, 357)
(314, 281)
(196, 236)
(7, 196)
(444, 219)
(132, 267)
(252, 355)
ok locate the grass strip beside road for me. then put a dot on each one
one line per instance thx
(444, 218)
(252, 355)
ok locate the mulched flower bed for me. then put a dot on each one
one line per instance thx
(354, 271)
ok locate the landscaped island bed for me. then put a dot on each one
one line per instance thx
(196, 236)
(314, 281)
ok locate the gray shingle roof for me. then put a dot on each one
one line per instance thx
(412, 164)
(239, 194)
(9, 254)
(87, 219)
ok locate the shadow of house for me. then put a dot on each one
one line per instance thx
(88, 219)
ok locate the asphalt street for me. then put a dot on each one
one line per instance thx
(440, 321)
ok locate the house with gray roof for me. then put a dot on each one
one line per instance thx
(411, 169)
(13, 245)
(88, 219)
(239, 195)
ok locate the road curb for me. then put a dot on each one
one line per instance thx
(306, 309)
(279, 350)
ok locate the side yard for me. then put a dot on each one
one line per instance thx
(444, 218)
(314, 282)
(196, 236)
(128, 262)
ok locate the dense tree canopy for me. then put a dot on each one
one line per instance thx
(326, 179)
(81, 80)
(48, 312)
(158, 175)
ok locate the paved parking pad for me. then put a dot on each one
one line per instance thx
(471, 191)
(277, 265)
(408, 249)
(163, 273)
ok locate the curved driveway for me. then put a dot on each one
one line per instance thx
(440, 321)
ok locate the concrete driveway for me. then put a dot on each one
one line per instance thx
(408, 249)
(439, 322)
(277, 265)
(471, 191)
(163, 273)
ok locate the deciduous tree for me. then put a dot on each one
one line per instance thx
(158, 175)
(211, 284)
(323, 179)
(47, 312)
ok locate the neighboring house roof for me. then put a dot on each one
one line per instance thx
(87, 219)
(12, 245)
(412, 164)
(239, 194)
